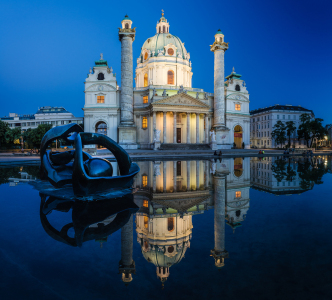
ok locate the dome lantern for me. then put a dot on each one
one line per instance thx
(126, 22)
(162, 25)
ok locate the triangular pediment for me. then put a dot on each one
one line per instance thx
(181, 100)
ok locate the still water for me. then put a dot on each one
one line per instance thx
(211, 229)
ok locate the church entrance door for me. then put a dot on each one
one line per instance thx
(178, 135)
(238, 136)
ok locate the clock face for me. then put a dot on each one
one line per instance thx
(100, 88)
(238, 97)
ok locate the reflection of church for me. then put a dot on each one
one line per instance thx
(164, 108)
(170, 193)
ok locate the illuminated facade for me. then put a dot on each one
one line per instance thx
(164, 109)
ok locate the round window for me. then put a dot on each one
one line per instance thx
(145, 56)
(170, 51)
(170, 249)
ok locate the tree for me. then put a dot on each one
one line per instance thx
(278, 133)
(4, 127)
(13, 136)
(317, 130)
(279, 169)
(34, 137)
(290, 128)
(304, 131)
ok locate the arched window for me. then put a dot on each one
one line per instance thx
(144, 122)
(146, 55)
(170, 77)
(146, 245)
(101, 128)
(145, 99)
(164, 29)
(170, 51)
(127, 26)
(159, 29)
(167, 29)
(101, 76)
(146, 222)
(146, 80)
(237, 88)
(145, 203)
(144, 180)
(238, 194)
(170, 224)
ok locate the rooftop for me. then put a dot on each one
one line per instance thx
(280, 107)
(50, 109)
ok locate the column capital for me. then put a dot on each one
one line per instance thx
(130, 32)
(219, 46)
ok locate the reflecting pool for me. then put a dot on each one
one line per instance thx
(236, 228)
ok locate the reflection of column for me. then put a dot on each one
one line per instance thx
(164, 176)
(197, 128)
(219, 253)
(206, 174)
(127, 264)
(154, 121)
(188, 128)
(197, 175)
(206, 129)
(174, 175)
(188, 175)
(174, 127)
(164, 127)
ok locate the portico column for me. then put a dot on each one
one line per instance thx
(174, 128)
(164, 127)
(197, 128)
(188, 175)
(206, 129)
(206, 174)
(197, 175)
(188, 128)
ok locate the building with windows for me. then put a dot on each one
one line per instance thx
(163, 108)
(55, 116)
(262, 121)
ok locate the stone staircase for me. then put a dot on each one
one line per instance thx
(184, 147)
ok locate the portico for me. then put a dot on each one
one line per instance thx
(181, 119)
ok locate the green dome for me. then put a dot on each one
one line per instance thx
(160, 40)
(159, 259)
(126, 18)
(219, 32)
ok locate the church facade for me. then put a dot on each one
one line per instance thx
(163, 109)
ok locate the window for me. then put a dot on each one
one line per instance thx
(170, 51)
(170, 224)
(146, 80)
(146, 56)
(100, 99)
(283, 116)
(170, 77)
(127, 26)
(145, 203)
(237, 88)
(101, 76)
(164, 29)
(268, 117)
(145, 122)
(278, 117)
(238, 194)
(159, 29)
(146, 222)
(170, 249)
(145, 180)
(237, 106)
(288, 117)
(145, 99)
(294, 117)
(268, 125)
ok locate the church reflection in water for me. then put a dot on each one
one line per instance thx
(171, 192)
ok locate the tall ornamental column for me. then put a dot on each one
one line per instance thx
(188, 128)
(219, 253)
(164, 127)
(197, 128)
(174, 128)
(127, 264)
(197, 175)
(206, 129)
(174, 176)
(219, 47)
(127, 36)
(164, 176)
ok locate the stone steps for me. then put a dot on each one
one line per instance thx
(183, 146)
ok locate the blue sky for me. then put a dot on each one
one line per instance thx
(282, 48)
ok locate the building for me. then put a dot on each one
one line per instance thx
(45, 115)
(164, 109)
(262, 121)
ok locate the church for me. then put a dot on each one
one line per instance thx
(163, 110)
